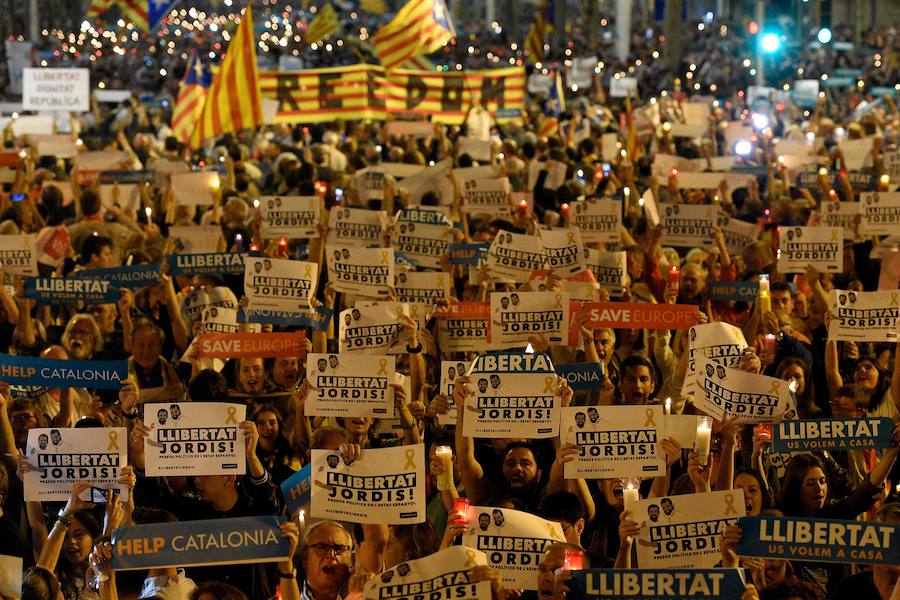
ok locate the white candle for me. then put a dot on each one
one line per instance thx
(668, 406)
(149, 212)
(704, 436)
(301, 520)
(631, 492)
(764, 283)
(445, 479)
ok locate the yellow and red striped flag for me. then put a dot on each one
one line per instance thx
(375, 7)
(325, 23)
(189, 104)
(234, 101)
(98, 7)
(421, 27)
(538, 32)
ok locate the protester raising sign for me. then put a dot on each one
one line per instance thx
(384, 485)
(52, 373)
(513, 256)
(517, 316)
(726, 392)
(450, 370)
(59, 290)
(424, 243)
(842, 215)
(738, 234)
(444, 574)
(598, 220)
(374, 328)
(62, 457)
(819, 247)
(367, 272)
(614, 441)
(825, 540)
(515, 396)
(810, 435)
(513, 542)
(464, 326)
(609, 269)
(488, 196)
(18, 255)
(880, 213)
(133, 277)
(195, 438)
(563, 251)
(350, 386)
(206, 542)
(684, 531)
(720, 342)
(864, 316)
(688, 225)
(356, 227)
(656, 584)
(293, 217)
(423, 287)
(211, 263)
(251, 345)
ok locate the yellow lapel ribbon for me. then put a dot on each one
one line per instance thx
(570, 236)
(558, 301)
(384, 259)
(307, 272)
(834, 235)
(552, 530)
(893, 298)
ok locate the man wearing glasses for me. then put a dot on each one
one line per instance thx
(327, 557)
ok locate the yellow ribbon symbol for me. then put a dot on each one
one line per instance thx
(414, 312)
(893, 298)
(552, 530)
(834, 234)
(382, 366)
(113, 440)
(729, 505)
(650, 414)
(570, 236)
(776, 387)
(709, 213)
(399, 311)
(470, 559)
(232, 411)
(548, 385)
(307, 272)
(410, 464)
(440, 282)
(558, 301)
(384, 259)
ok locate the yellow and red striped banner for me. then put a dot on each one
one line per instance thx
(369, 92)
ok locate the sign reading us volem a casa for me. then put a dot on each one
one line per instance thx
(207, 542)
(248, 345)
(631, 315)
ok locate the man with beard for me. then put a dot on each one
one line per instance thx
(637, 381)
(82, 337)
(692, 288)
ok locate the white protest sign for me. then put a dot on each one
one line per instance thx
(720, 342)
(434, 179)
(614, 441)
(450, 370)
(688, 130)
(517, 316)
(856, 153)
(26, 124)
(385, 485)
(424, 243)
(444, 574)
(56, 89)
(62, 456)
(513, 256)
(598, 220)
(350, 386)
(193, 304)
(375, 328)
(279, 283)
(609, 269)
(59, 145)
(688, 225)
(463, 327)
(485, 195)
(539, 83)
(126, 196)
(476, 148)
(727, 392)
(864, 316)
(623, 87)
(513, 542)
(892, 165)
(367, 272)
(101, 160)
(17, 254)
(369, 183)
(650, 207)
(880, 213)
(114, 96)
(293, 217)
(11, 576)
(514, 395)
(563, 250)
(221, 319)
(806, 92)
(426, 287)
(699, 181)
(194, 438)
(556, 174)
(842, 215)
(356, 226)
(197, 239)
(684, 531)
(820, 247)
(196, 188)
(738, 234)
(609, 146)
(416, 129)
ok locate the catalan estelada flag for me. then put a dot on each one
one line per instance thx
(325, 23)
(191, 96)
(421, 27)
(537, 33)
(376, 7)
(143, 14)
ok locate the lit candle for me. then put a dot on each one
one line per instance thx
(631, 492)
(564, 210)
(460, 513)
(149, 212)
(523, 207)
(885, 180)
(764, 297)
(256, 206)
(215, 184)
(704, 436)
(338, 195)
(770, 343)
(674, 275)
(301, 520)
(823, 171)
(254, 247)
(674, 171)
(627, 192)
(282, 246)
(445, 479)
(573, 560)
(668, 406)
(238, 242)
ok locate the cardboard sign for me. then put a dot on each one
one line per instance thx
(62, 457)
(598, 220)
(609, 269)
(450, 371)
(125, 196)
(831, 434)
(424, 287)
(374, 328)
(211, 263)
(196, 188)
(367, 272)
(280, 284)
(464, 327)
(133, 277)
(243, 540)
(720, 342)
(56, 89)
(623, 87)
(485, 195)
(476, 148)
(53, 373)
(385, 485)
(634, 315)
(250, 345)
(194, 438)
(656, 584)
(467, 254)
(517, 316)
(563, 251)
(203, 239)
(738, 234)
(513, 542)
(726, 392)
(688, 225)
(18, 255)
(293, 217)
(514, 256)
(880, 213)
(684, 531)
(515, 395)
(350, 386)
(820, 247)
(614, 441)
(218, 319)
(826, 540)
(864, 316)
(424, 243)
(444, 574)
(842, 215)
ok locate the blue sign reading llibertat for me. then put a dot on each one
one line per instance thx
(207, 263)
(60, 290)
(832, 434)
(655, 584)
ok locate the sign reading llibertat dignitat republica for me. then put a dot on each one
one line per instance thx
(63, 456)
(194, 438)
(384, 485)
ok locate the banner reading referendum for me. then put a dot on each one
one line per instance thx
(655, 584)
(206, 542)
(53, 373)
(443, 575)
(324, 95)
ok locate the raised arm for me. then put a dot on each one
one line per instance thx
(471, 472)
